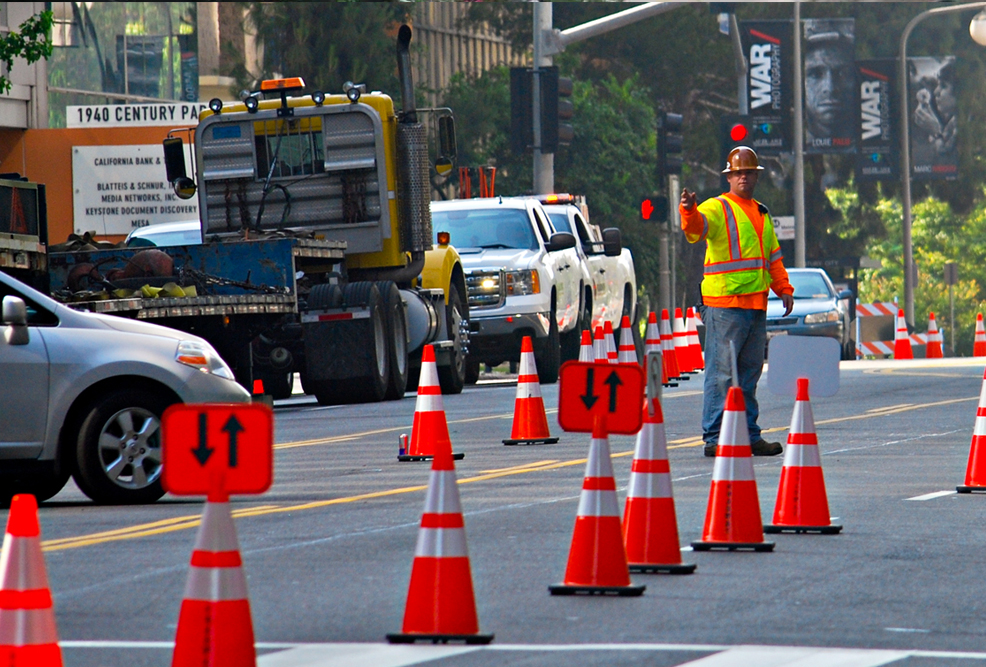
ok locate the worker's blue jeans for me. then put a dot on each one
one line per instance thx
(747, 328)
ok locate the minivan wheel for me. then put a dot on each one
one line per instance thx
(118, 453)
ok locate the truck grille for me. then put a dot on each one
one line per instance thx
(486, 288)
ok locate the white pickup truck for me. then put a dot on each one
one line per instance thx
(611, 284)
(523, 278)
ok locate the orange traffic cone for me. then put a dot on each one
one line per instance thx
(214, 625)
(933, 350)
(667, 343)
(627, 351)
(28, 636)
(732, 520)
(612, 355)
(902, 341)
(652, 345)
(679, 337)
(429, 432)
(597, 560)
(694, 344)
(441, 606)
(975, 472)
(599, 346)
(802, 504)
(979, 346)
(530, 421)
(650, 528)
(586, 353)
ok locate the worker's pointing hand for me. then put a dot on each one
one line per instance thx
(788, 301)
(688, 199)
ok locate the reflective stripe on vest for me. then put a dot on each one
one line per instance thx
(732, 229)
(734, 265)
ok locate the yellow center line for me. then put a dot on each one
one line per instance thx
(192, 521)
(889, 407)
(525, 465)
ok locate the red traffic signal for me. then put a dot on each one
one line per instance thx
(738, 132)
(654, 208)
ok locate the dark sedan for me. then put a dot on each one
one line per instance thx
(818, 310)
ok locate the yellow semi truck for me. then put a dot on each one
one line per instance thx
(316, 253)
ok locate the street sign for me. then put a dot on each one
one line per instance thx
(615, 392)
(204, 443)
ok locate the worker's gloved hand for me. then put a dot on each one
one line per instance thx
(788, 301)
(688, 199)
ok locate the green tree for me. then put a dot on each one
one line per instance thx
(31, 42)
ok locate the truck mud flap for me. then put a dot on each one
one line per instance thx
(337, 343)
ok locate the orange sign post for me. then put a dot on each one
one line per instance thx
(590, 390)
(209, 444)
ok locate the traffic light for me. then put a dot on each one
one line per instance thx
(556, 110)
(654, 208)
(734, 130)
(669, 144)
(521, 96)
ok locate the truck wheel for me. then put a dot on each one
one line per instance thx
(278, 385)
(472, 371)
(548, 354)
(452, 378)
(118, 452)
(396, 329)
(371, 387)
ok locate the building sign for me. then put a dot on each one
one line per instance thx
(768, 45)
(933, 110)
(119, 188)
(830, 85)
(877, 159)
(783, 227)
(171, 114)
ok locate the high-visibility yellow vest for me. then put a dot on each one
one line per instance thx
(737, 259)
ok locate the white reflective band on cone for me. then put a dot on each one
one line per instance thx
(649, 485)
(221, 535)
(980, 428)
(27, 627)
(17, 561)
(429, 375)
(801, 456)
(441, 543)
(599, 463)
(803, 421)
(429, 403)
(443, 493)
(215, 584)
(598, 503)
(733, 469)
(528, 366)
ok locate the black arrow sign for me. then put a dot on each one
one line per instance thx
(203, 451)
(613, 381)
(233, 428)
(590, 398)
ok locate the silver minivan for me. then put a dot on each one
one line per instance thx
(82, 394)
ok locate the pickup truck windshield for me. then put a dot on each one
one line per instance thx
(486, 228)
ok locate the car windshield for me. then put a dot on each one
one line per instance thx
(808, 285)
(169, 238)
(486, 228)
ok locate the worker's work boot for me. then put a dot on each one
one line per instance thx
(764, 448)
(710, 449)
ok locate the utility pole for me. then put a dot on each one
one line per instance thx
(799, 147)
(544, 163)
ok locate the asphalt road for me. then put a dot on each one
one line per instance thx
(328, 550)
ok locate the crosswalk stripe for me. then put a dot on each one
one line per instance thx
(784, 656)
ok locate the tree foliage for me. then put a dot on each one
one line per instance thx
(31, 41)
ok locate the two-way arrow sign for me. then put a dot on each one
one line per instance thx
(582, 385)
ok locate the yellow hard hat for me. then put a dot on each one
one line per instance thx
(742, 158)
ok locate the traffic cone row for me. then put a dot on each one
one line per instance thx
(902, 340)
(979, 346)
(679, 336)
(652, 345)
(667, 345)
(530, 420)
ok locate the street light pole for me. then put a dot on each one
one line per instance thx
(905, 151)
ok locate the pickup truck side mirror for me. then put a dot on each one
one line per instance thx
(15, 321)
(560, 241)
(612, 242)
(844, 294)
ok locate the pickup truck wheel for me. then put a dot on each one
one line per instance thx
(472, 371)
(393, 306)
(118, 452)
(571, 341)
(547, 354)
(452, 378)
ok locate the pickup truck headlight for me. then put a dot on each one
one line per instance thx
(818, 318)
(203, 357)
(521, 283)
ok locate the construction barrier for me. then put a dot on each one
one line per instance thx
(876, 330)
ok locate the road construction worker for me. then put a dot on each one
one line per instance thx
(742, 260)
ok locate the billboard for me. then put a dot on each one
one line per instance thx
(932, 107)
(768, 49)
(878, 158)
(830, 85)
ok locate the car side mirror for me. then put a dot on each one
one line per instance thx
(612, 242)
(560, 241)
(14, 318)
(844, 294)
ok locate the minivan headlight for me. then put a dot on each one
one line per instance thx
(818, 318)
(521, 283)
(202, 356)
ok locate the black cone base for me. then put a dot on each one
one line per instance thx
(406, 457)
(623, 591)
(531, 441)
(971, 489)
(733, 546)
(400, 638)
(821, 530)
(646, 568)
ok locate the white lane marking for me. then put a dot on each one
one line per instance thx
(921, 630)
(892, 442)
(932, 496)
(783, 656)
(354, 655)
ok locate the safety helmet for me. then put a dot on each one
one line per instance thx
(741, 158)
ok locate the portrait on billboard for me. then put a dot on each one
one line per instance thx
(933, 117)
(830, 85)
